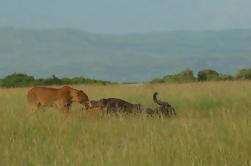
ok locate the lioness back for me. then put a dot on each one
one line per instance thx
(62, 98)
(43, 95)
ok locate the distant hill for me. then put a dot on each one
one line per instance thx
(125, 58)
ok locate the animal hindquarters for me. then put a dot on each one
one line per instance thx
(32, 101)
(64, 106)
(40, 97)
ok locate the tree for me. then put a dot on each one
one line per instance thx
(52, 81)
(208, 75)
(225, 77)
(17, 80)
(21, 80)
(184, 76)
(244, 74)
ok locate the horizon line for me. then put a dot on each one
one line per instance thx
(121, 33)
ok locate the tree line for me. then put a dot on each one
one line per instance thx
(24, 80)
(204, 75)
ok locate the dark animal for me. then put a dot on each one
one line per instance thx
(61, 98)
(165, 108)
(115, 105)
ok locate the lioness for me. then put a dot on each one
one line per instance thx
(61, 98)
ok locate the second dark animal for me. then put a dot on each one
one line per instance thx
(115, 105)
(164, 107)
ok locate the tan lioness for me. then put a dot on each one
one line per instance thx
(61, 98)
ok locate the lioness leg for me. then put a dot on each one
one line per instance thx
(65, 108)
(33, 107)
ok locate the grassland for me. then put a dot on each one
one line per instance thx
(212, 128)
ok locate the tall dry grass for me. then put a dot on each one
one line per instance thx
(212, 128)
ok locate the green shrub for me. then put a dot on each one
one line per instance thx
(21, 80)
(244, 74)
(208, 75)
(225, 77)
(52, 81)
(17, 80)
(184, 76)
(157, 80)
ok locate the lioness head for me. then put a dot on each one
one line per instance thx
(81, 97)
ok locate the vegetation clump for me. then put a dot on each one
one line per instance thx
(203, 75)
(24, 80)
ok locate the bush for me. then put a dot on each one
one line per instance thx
(226, 77)
(184, 76)
(17, 80)
(244, 74)
(21, 80)
(208, 75)
(51, 81)
(157, 80)
(83, 80)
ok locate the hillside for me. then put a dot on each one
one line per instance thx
(136, 57)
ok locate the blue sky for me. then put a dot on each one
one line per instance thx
(127, 16)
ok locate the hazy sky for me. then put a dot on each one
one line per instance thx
(126, 16)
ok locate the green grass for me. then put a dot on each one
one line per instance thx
(212, 128)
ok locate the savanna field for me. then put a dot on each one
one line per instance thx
(212, 127)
